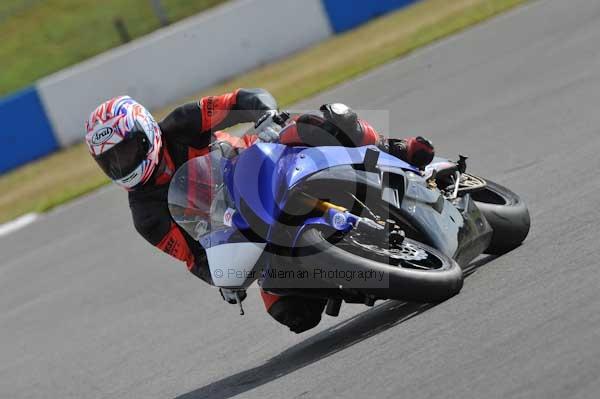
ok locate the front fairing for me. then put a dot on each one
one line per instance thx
(200, 203)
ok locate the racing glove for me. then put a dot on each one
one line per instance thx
(230, 296)
(267, 127)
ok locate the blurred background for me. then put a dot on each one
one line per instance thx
(44, 36)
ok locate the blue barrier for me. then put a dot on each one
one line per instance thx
(25, 132)
(347, 14)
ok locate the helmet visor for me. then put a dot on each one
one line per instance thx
(126, 156)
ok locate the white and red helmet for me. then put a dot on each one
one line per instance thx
(125, 140)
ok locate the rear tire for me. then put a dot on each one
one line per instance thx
(506, 213)
(410, 284)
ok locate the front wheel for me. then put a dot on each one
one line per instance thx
(506, 213)
(413, 270)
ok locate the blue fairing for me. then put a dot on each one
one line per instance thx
(264, 174)
(307, 161)
(252, 179)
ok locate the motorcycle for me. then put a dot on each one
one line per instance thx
(351, 225)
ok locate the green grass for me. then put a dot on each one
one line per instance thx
(71, 172)
(43, 36)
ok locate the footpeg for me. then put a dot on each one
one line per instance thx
(462, 163)
(333, 307)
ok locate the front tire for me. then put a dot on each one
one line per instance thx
(406, 280)
(506, 213)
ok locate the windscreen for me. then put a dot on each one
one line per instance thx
(198, 199)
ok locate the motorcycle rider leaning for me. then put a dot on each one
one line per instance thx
(142, 155)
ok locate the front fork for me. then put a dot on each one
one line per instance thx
(333, 216)
(340, 219)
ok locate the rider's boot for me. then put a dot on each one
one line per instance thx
(417, 151)
(298, 313)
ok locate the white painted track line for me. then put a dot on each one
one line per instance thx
(18, 223)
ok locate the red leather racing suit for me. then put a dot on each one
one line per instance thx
(187, 133)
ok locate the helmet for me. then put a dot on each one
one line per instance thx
(124, 140)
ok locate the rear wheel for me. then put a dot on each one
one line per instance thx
(506, 213)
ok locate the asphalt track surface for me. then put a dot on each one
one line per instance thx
(89, 310)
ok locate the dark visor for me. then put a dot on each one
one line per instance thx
(126, 156)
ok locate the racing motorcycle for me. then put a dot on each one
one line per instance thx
(351, 225)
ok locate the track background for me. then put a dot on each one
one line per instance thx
(88, 309)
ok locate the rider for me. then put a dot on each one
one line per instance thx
(141, 155)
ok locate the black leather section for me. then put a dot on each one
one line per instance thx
(397, 148)
(329, 130)
(346, 121)
(152, 220)
(298, 313)
(184, 125)
(315, 131)
(255, 100)
(150, 212)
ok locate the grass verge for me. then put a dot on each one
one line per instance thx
(67, 174)
(43, 36)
